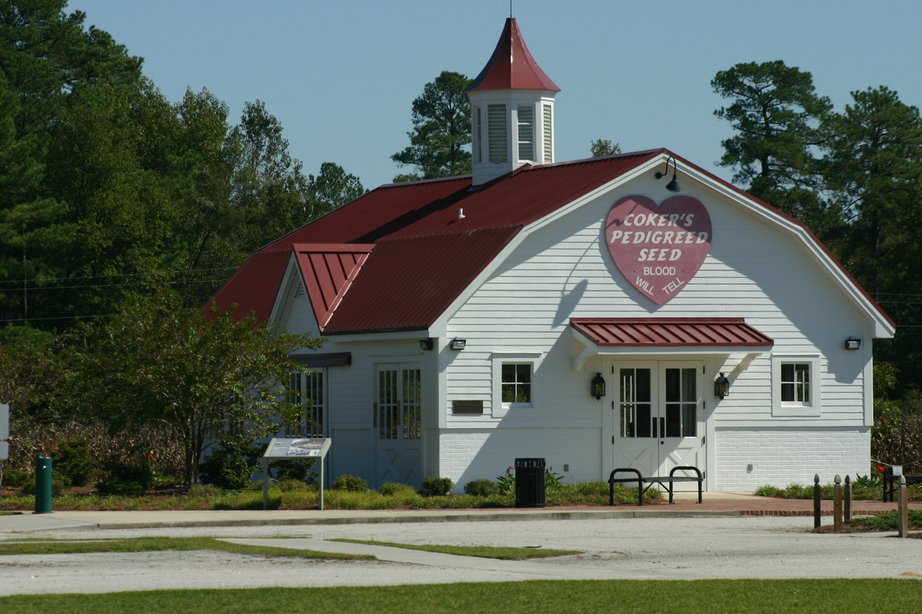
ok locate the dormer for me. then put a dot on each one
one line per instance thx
(512, 110)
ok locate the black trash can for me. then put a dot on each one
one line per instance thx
(529, 482)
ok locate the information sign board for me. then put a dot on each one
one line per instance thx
(292, 448)
(297, 448)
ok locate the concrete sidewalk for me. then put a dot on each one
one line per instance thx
(714, 505)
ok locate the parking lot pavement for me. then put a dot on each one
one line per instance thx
(611, 548)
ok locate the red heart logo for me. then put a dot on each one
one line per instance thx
(658, 248)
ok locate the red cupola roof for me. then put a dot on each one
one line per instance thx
(512, 67)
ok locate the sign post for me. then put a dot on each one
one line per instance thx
(294, 448)
(4, 431)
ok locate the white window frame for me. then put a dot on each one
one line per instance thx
(526, 133)
(813, 407)
(499, 408)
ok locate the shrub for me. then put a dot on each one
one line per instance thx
(287, 469)
(129, 478)
(293, 485)
(59, 483)
(481, 488)
(350, 483)
(436, 487)
(16, 478)
(231, 464)
(204, 491)
(75, 460)
(391, 489)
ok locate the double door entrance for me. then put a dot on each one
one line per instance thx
(658, 416)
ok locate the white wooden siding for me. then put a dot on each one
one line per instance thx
(754, 270)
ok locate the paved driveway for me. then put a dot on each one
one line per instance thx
(635, 548)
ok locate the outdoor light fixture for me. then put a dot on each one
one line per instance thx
(853, 343)
(672, 186)
(425, 344)
(457, 344)
(721, 386)
(597, 386)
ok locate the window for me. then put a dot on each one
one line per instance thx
(526, 117)
(496, 133)
(516, 383)
(795, 383)
(796, 386)
(398, 412)
(307, 391)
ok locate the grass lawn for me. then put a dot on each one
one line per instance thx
(536, 597)
(152, 544)
(487, 552)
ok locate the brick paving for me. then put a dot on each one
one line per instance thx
(761, 506)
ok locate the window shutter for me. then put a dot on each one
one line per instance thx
(496, 128)
(548, 131)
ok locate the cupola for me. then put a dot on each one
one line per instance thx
(512, 110)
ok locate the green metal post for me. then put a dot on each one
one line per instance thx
(42, 485)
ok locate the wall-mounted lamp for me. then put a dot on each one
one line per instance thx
(721, 386)
(853, 343)
(672, 186)
(457, 344)
(597, 386)
(425, 344)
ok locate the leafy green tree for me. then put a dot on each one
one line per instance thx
(603, 147)
(776, 114)
(333, 187)
(872, 170)
(56, 81)
(194, 375)
(441, 130)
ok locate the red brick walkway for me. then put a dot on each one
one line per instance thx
(763, 506)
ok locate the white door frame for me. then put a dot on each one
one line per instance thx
(641, 444)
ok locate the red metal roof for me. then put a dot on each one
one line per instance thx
(512, 67)
(417, 210)
(408, 282)
(327, 271)
(252, 289)
(670, 332)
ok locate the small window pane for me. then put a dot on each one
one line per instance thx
(515, 385)
(795, 383)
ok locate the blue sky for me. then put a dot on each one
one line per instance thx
(340, 75)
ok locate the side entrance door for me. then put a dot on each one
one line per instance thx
(658, 416)
(397, 423)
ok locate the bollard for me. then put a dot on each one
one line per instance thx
(903, 511)
(817, 512)
(42, 485)
(837, 505)
(848, 499)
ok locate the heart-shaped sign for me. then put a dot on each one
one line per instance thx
(658, 248)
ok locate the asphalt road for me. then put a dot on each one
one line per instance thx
(629, 548)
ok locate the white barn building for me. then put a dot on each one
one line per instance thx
(579, 312)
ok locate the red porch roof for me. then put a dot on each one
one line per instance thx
(671, 332)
